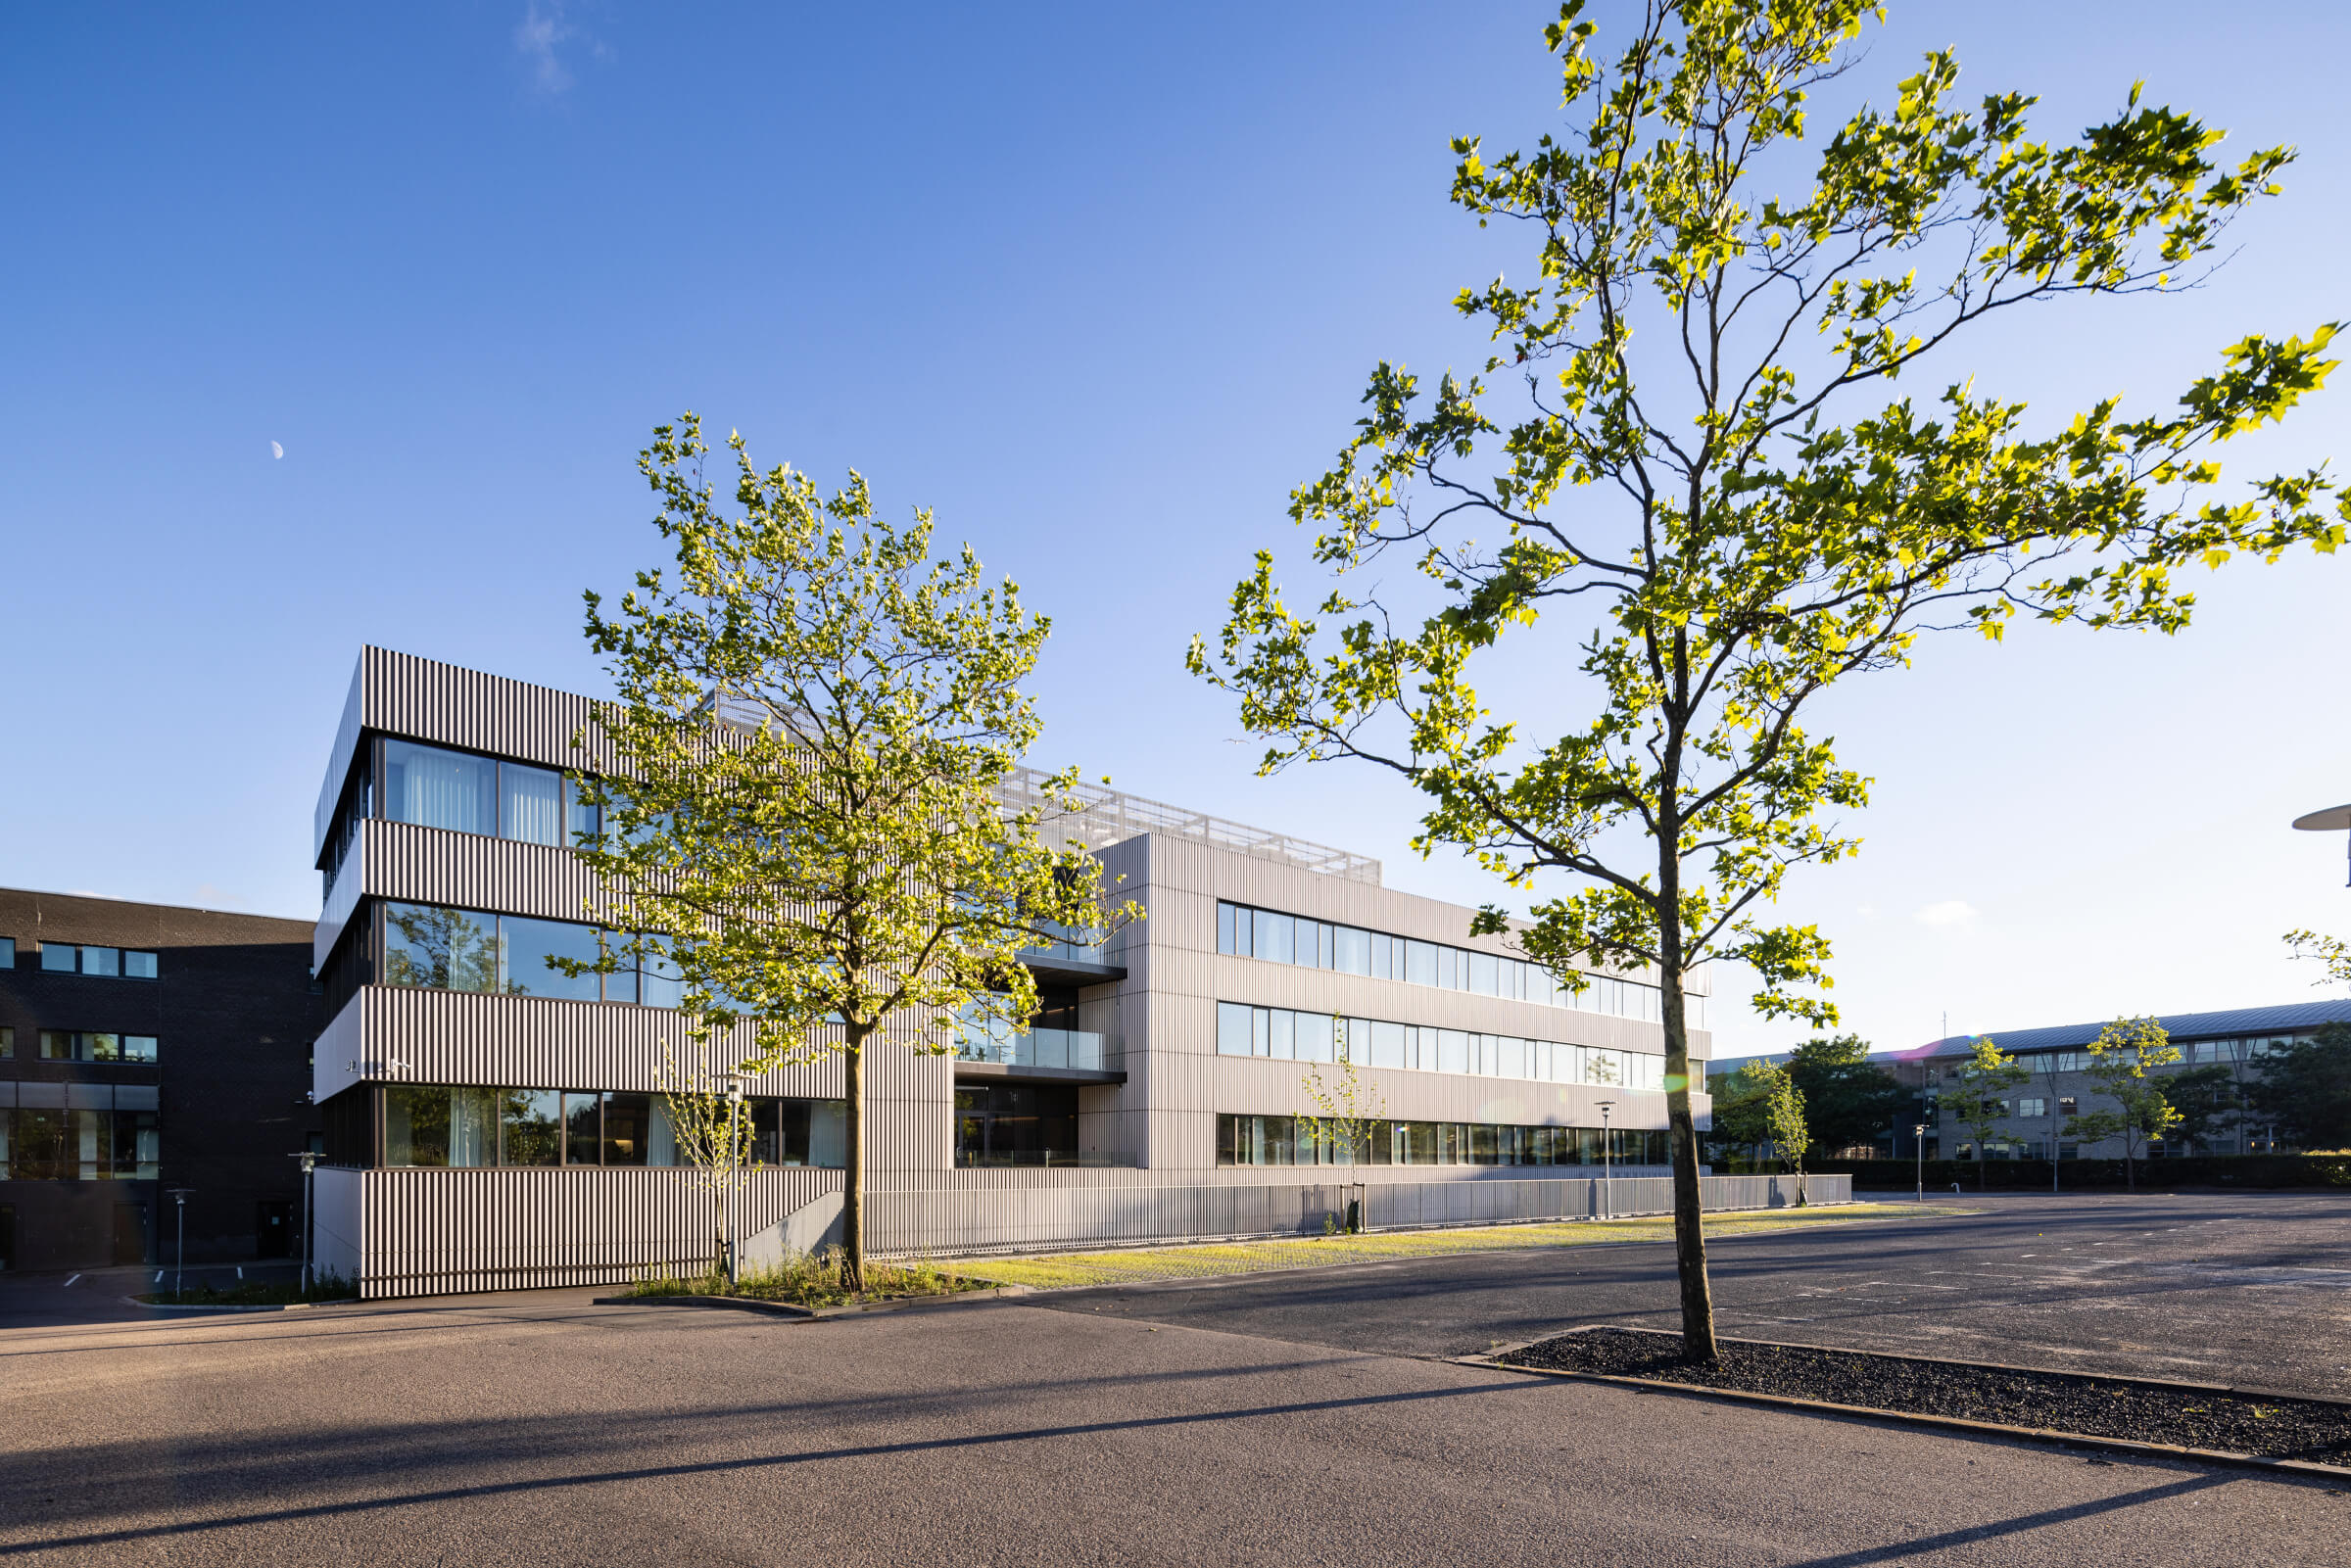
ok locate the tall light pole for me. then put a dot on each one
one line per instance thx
(1607, 1162)
(1918, 1146)
(309, 1163)
(180, 1269)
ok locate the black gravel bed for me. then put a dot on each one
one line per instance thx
(2279, 1428)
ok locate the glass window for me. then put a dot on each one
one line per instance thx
(60, 958)
(57, 1045)
(1453, 1050)
(1313, 1037)
(628, 1128)
(1224, 914)
(8, 1043)
(1275, 935)
(107, 961)
(1232, 1029)
(661, 983)
(1420, 963)
(436, 788)
(138, 966)
(531, 944)
(587, 818)
(440, 949)
(583, 1130)
(1388, 1046)
(1511, 1054)
(415, 1124)
(1351, 950)
(530, 1127)
(1484, 975)
(1384, 962)
(1604, 1067)
(1282, 1033)
(530, 804)
(8, 952)
(101, 1047)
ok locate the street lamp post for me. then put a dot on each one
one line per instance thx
(310, 1165)
(1918, 1147)
(1607, 1162)
(179, 1268)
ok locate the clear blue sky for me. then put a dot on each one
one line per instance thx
(1099, 284)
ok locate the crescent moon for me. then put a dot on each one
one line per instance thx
(276, 450)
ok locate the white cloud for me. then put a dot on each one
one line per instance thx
(536, 37)
(1950, 913)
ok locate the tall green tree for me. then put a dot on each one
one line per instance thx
(2206, 1099)
(1785, 1127)
(1849, 1099)
(2306, 1088)
(1979, 1102)
(1704, 481)
(2121, 1057)
(815, 724)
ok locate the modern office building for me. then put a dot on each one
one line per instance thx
(492, 1121)
(150, 1054)
(2061, 1086)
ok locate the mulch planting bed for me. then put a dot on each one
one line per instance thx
(2275, 1428)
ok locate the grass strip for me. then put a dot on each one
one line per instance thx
(817, 1280)
(1140, 1265)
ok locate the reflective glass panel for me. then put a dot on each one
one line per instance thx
(1224, 914)
(1275, 937)
(1453, 1051)
(415, 1124)
(102, 961)
(586, 816)
(530, 1127)
(1484, 975)
(530, 944)
(60, 958)
(583, 1130)
(1387, 1045)
(8, 952)
(138, 966)
(628, 1128)
(102, 1047)
(1232, 1029)
(530, 804)
(1420, 963)
(437, 788)
(440, 949)
(661, 983)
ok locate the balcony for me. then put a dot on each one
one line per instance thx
(1042, 1159)
(1076, 1054)
(1075, 958)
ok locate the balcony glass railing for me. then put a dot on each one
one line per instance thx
(1068, 942)
(1078, 1049)
(1056, 1158)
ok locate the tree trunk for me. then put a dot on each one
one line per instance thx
(852, 1186)
(1688, 1233)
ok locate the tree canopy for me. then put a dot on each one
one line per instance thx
(1699, 453)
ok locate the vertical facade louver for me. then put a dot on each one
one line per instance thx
(493, 1123)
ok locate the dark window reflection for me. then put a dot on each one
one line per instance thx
(1015, 1125)
(530, 1127)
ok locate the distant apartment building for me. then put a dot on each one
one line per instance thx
(150, 1054)
(493, 1121)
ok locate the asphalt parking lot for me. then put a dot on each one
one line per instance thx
(2244, 1290)
(1167, 1425)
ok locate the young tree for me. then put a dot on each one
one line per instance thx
(1783, 1106)
(2119, 1058)
(1847, 1098)
(2307, 1088)
(1348, 1108)
(1979, 1102)
(1713, 485)
(712, 1130)
(815, 724)
(1741, 1112)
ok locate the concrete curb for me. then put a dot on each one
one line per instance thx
(2305, 1468)
(253, 1307)
(749, 1303)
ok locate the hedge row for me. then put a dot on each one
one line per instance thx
(2032, 1176)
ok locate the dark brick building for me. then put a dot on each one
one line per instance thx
(145, 1047)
